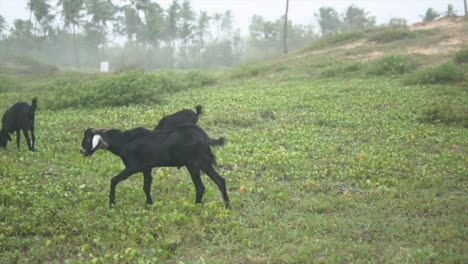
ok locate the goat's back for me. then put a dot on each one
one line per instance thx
(185, 116)
(180, 146)
(18, 116)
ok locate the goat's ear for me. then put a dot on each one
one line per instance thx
(97, 139)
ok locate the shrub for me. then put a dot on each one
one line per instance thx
(341, 69)
(392, 65)
(337, 38)
(390, 34)
(198, 79)
(445, 73)
(29, 65)
(461, 56)
(445, 114)
(112, 90)
(6, 84)
(251, 70)
(126, 88)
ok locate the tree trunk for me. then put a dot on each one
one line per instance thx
(466, 9)
(285, 37)
(75, 48)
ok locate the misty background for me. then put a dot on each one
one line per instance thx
(181, 34)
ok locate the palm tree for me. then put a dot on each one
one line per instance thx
(217, 17)
(151, 30)
(101, 12)
(129, 23)
(3, 25)
(226, 22)
(202, 25)
(72, 14)
(188, 17)
(41, 10)
(285, 37)
(329, 20)
(172, 21)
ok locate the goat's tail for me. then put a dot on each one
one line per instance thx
(217, 142)
(199, 109)
(33, 107)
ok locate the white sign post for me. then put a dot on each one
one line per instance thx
(104, 66)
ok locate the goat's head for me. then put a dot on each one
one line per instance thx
(4, 138)
(92, 141)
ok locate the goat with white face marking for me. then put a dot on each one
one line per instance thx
(141, 150)
(19, 117)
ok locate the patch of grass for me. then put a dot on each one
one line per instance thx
(389, 35)
(446, 114)
(461, 56)
(445, 73)
(338, 70)
(326, 170)
(29, 65)
(250, 70)
(123, 89)
(198, 79)
(396, 33)
(333, 170)
(392, 65)
(337, 39)
(7, 84)
(112, 90)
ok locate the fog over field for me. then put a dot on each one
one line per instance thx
(189, 34)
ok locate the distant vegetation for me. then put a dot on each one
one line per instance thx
(126, 88)
(339, 38)
(392, 65)
(350, 150)
(397, 33)
(7, 84)
(461, 56)
(445, 73)
(82, 34)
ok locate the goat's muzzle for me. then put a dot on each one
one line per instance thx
(84, 152)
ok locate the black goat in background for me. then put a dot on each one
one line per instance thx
(185, 116)
(19, 117)
(178, 118)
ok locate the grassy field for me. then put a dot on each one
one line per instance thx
(324, 164)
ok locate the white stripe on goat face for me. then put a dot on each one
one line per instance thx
(96, 140)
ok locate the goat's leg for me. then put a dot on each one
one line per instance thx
(33, 137)
(120, 177)
(211, 172)
(148, 179)
(28, 141)
(199, 187)
(18, 138)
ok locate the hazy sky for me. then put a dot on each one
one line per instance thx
(300, 11)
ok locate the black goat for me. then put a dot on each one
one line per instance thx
(19, 117)
(182, 117)
(185, 116)
(141, 150)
